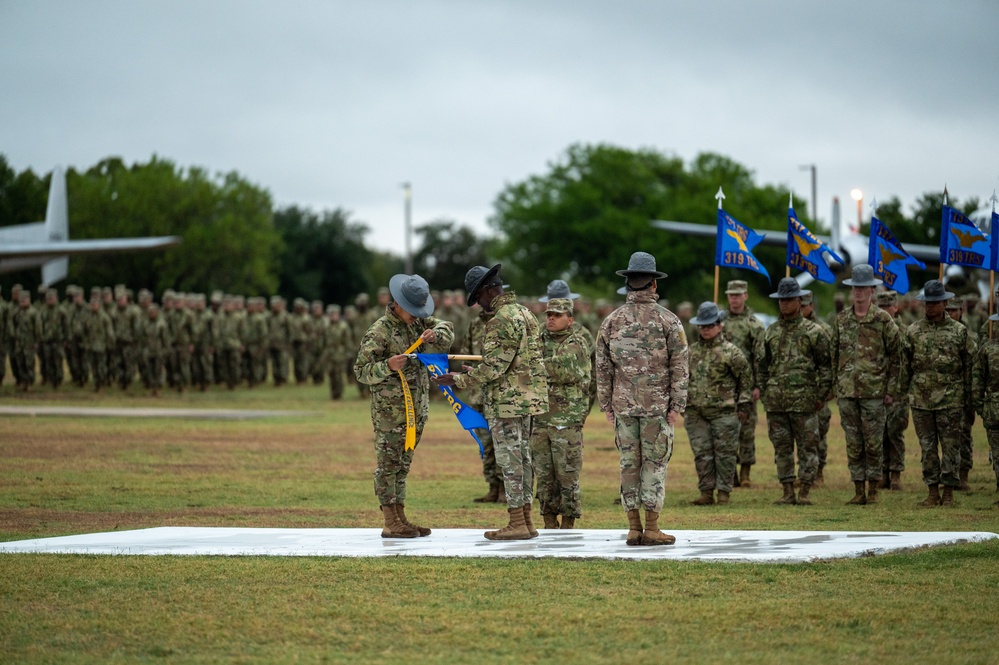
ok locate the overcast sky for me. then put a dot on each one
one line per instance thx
(335, 104)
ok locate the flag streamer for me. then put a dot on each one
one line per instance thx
(407, 399)
(468, 418)
(734, 245)
(888, 258)
(961, 242)
(804, 251)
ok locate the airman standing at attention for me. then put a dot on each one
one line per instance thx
(279, 339)
(719, 397)
(795, 371)
(26, 333)
(559, 288)
(337, 346)
(741, 327)
(956, 309)
(408, 317)
(642, 377)
(300, 336)
(55, 333)
(127, 324)
(985, 394)
(866, 348)
(825, 414)
(937, 360)
(155, 344)
(98, 335)
(897, 413)
(320, 322)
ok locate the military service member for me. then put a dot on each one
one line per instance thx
(825, 413)
(474, 340)
(896, 414)
(557, 436)
(379, 358)
(741, 327)
(955, 309)
(985, 395)
(55, 333)
(937, 360)
(642, 388)
(794, 370)
(512, 374)
(25, 327)
(719, 397)
(866, 348)
(279, 340)
(338, 345)
(559, 288)
(98, 336)
(154, 338)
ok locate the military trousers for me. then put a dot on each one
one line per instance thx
(279, 366)
(512, 442)
(22, 362)
(714, 440)
(126, 362)
(393, 461)
(302, 357)
(993, 436)
(337, 373)
(967, 445)
(52, 361)
(98, 362)
(490, 469)
(896, 422)
(557, 455)
(939, 432)
(154, 366)
(825, 417)
(645, 446)
(788, 429)
(863, 423)
(746, 453)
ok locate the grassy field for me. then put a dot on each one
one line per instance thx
(74, 475)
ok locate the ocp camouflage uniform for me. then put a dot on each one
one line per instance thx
(795, 372)
(513, 377)
(3, 339)
(300, 337)
(557, 436)
(127, 321)
(26, 335)
(642, 375)
(205, 341)
(98, 336)
(721, 387)
(155, 343)
(389, 336)
(825, 413)
(78, 366)
(337, 347)
(985, 396)
(866, 361)
(231, 345)
(252, 330)
(279, 339)
(55, 333)
(746, 332)
(473, 341)
(317, 370)
(180, 321)
(937, 360)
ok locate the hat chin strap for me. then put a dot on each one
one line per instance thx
(640, 288)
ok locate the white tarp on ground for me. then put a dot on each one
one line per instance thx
(746, 546)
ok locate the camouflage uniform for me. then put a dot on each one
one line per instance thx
(896, 413)
(387, 337)
(985, 396)
(473, 342)
(98, 335)
(3, 339)
(746, 332)
(721, 387)
(155, 344)
(317, 370)
(937, 361)
(557, 436)
(78, 366)
(866, 359)
(642, 375)
(252, 330)
(183, 333)
(825, 413)
(337, 347)
(231, 346)
(300, 337)
(26, 334)
(55, 333)
(206, 340)
(512, 376)
(795, 372)
(279, 337)
(127, 322)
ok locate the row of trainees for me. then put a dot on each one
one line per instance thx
(647, 377)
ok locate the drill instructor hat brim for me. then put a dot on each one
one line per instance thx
(788, 287)
(641, 263)
(934, 291)
(477, 277)
(412, 293)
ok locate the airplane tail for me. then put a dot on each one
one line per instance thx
(56, 226)
(834, 227)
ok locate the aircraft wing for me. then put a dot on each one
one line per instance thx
(925, 253)
(79, 247)
(771, 238)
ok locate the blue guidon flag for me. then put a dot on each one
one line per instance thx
(469, 418)
(961, 242)
(804, 251)
(888, 258)
(734, 245)
(995, 240)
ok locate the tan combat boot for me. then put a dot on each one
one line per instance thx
(933, 499)
(652, 535)
(948, 496)
(568, 522)
(723, 497)
(515, 530)
(788, 499)
(883, 484)
(744, 480)
(895, 484)
(859, 498)
(963, 483)
(872, 491)
(492, 496)
(394, 528)
(551, 521)
(706, 499)
(803, 499)
(528, 522)
(502, 494)
(400, 510)
(634, 528)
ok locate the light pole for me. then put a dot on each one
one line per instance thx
(858, 196)
(815, 197)
(408, 189)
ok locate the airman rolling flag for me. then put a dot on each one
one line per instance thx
(469, 418)
(888, 258)
(734, 245)
(804, 251)
(961, 243)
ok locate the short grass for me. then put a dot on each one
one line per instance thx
(63, 476)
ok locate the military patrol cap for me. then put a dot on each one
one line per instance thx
(934, 291)
(477, 277)
(886, 298)
(383, 291)
(862, 275)
(560, 305)
(957, 302)
(361, 299)
(807, 298)
(217, 296)
(558, 288)
(788, 287)
(707, 314)
(972, 298)
(317, 303)
(737, 286)
(96, 291)
(333, 309)
(412, 293)
(641, 263)
(275, 299)
(298, 302)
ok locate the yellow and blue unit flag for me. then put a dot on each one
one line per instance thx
(804, 251)
(994, 243)
(734, 244)
(468, 418)
(961, 242)
(888, 258)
